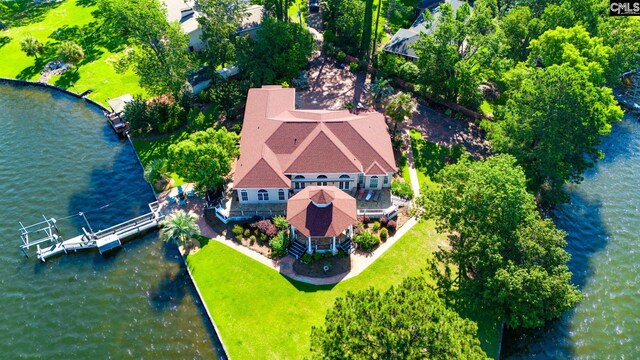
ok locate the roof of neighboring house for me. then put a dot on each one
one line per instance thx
(402, 41)
(253, 19)
(321, 211)
(182, 12)
(277, 140)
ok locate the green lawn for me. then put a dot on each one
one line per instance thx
(292, 12)
(430, 158)
(149, 150)
(51, 24)
(264, 315)
(404, 169)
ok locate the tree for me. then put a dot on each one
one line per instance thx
(279, 8)
(400, 107)
(573, 46)
(220, 22)
(344, 19)
(283, 49)
(503, 258)
(552, 124)
(31, 46)
(179, 227)
(71, 53)
(380, 89)
(365, 40)
(204, 157)
(407, 321)
(160, 58)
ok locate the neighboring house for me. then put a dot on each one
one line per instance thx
(283, 150)
(402, 41)
(187, 15)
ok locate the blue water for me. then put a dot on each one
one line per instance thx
(603, 225)
(58, 157)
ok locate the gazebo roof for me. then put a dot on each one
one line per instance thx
(321, 211)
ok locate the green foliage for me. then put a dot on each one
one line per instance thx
(306, 258)
(553, 123)
(70, 53)
(376, 226)
(281, 223)
(247, 233)
(384, 234)
(196, 120)
(252, 239)
(155, 171)
(400, 107)
(366, 241)
(283, 50)
(227, 94)
(498, 241)
(354, 66)
(279, 244)
(389, 65)
(219, 23)
(31, 46)
(365, 40)
(238, 231)
(409, 72)
(204, 157)
(160, 58)
(345, 21)
(179, 227)
(401, 189)
(341, 56)
(407, 321)
(380, 90)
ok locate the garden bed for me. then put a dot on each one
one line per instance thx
(337, 265)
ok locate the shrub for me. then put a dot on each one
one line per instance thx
(354, 66)
(247, 233)
(391, 225)
(364, 219)
(155, 171)
(376, 226)
(366, 241)
(401, 189)
(279, 244)
(263, 237)
(383, 221)
(306, 258)
(252, 239)
(409, 72)
(316, 256)
(196, 120)
(281, 223)
(266, 227)
(238, 231)
(384, 234)
(341, 56)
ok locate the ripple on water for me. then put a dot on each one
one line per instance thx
(58, 157)
(602, 222)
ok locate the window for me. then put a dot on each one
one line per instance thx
(373, 183)
(263, 195)
(385, 180)
(297, 182)
(281, 195)
(345, 182)
(244, 195)
(321, 183)
(361, 179)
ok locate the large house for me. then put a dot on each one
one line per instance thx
(284, 150)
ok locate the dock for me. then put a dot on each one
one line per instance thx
(103, 240)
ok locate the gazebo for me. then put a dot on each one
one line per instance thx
(321, 214)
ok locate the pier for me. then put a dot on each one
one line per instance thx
(44, 235)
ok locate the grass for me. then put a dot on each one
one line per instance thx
(52, 24)
(404, 169)
(292, 12)
(430, 158)
(486, 108)
(262, 314)
(149, 150)
(402, 15)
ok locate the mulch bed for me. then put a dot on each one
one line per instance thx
(225, 230)
(339, 264)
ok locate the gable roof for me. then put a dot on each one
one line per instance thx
(321, 211)
(278, 140)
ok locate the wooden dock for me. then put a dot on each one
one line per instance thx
(102, 240)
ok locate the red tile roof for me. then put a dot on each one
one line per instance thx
(277, 140)
(335, 213)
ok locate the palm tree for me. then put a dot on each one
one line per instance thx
(31, 46)
(71, 53)
(179, 227)
(380, 90)
(400, 107)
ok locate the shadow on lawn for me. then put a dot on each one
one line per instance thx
(301, 286)
(430, 157)
(50, 53)
(25, 12)
(4, 40)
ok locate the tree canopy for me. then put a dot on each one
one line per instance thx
(220, 22)
(160, 57)
(282, 51)
(71, 53)
(31, 46)
(400, 107)
(552, 124)
(204, 157)
(503, 257)
(407, 321)
(179, 227)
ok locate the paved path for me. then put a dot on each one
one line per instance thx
(359, 262)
